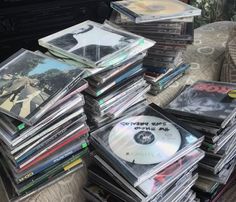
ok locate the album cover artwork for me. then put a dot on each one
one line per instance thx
(205, 100)
(89, 42)
(28, 81)
(137, 145)
(141, 11)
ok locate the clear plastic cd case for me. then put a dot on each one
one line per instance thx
(160, 181)
(141, 146)
(141, 11)
(30, 83)
(81, 42)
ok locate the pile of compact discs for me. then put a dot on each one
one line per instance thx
(144, 156)
(209, 107)
(171, 26)
(112, 60)
(43, 127)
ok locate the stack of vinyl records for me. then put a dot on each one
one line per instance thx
(209, 107)
(170, 24)
(43, 127)
(112, 60)
(146, 155)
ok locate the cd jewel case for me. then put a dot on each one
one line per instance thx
(141, 11)
(90, 43)
(157, 183)
(204, 100)
(144, 144)
(30, 83)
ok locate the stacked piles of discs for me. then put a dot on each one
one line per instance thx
(210, 108)
(145, 156)
(112, 92)
(170, 24)
(113, 61)
(43, 127)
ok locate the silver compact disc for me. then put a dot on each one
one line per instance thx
(144, 139)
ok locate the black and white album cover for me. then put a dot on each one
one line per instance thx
(29, 80)
(89, 41)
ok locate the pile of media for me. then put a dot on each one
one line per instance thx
(43, 127)
(112, 60)
(170, 24)
(146, 155)
(209, 107)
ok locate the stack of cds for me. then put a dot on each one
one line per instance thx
(170, 24)
(43, 127)
(112, 60)
(209, 107)
(145, 155)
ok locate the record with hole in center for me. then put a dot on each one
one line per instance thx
(144, 140)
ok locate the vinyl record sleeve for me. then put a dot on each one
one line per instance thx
(206, 101)
(90, 43)
(136, 173)
(141, 11)
(31, 83)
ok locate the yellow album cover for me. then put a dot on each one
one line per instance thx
(154, 10)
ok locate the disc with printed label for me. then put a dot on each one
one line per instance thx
(144, 139)
(163, 7)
